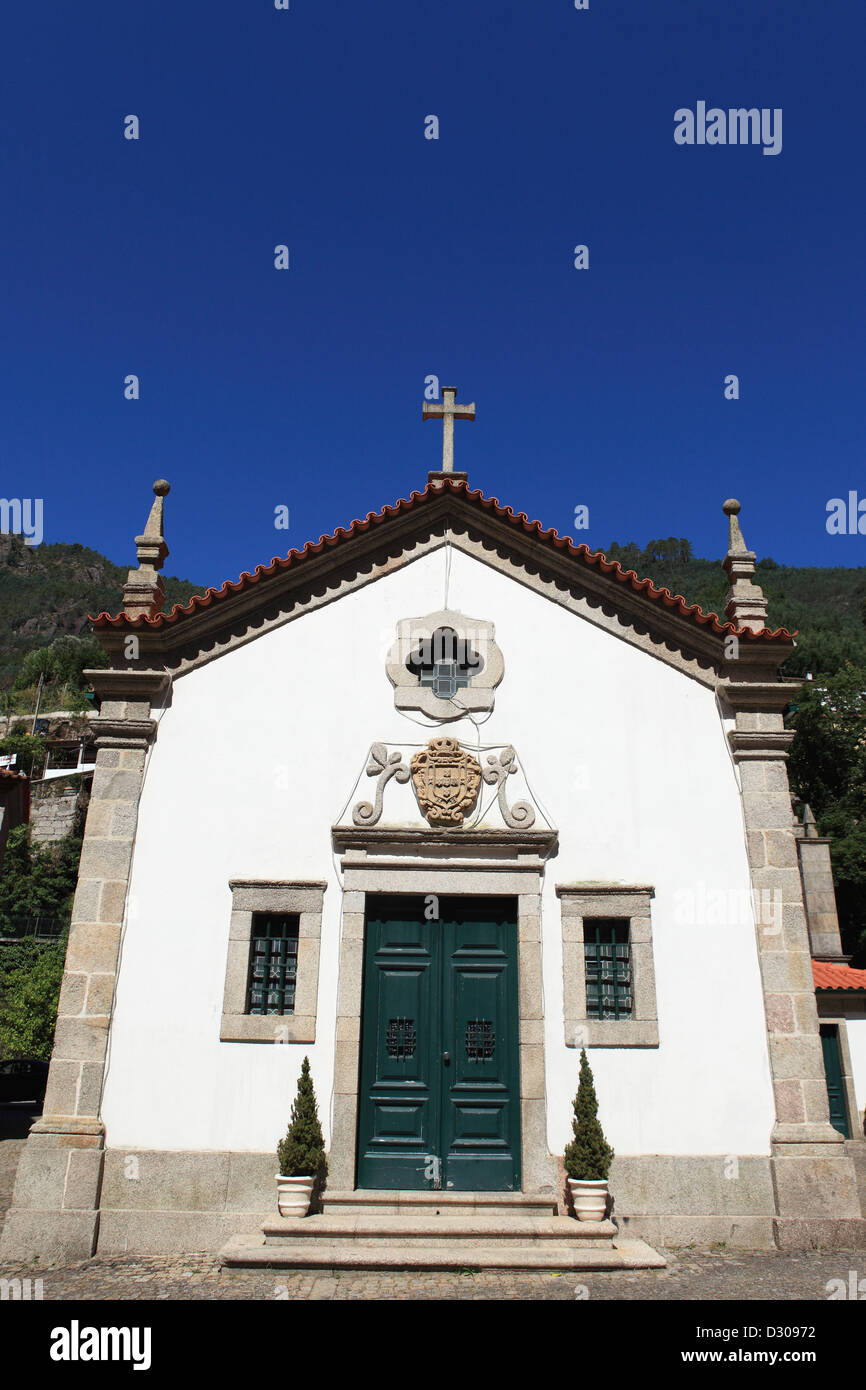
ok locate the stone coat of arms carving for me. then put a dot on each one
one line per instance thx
(446, 781)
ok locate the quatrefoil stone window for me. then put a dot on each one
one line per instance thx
(445, 665)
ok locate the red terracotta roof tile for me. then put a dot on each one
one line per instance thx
(581, 553)
(829, 976)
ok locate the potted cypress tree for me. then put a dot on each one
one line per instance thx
(301, 1154)
(588, 1157)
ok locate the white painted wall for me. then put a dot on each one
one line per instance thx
(856, 1029)
(256, 756)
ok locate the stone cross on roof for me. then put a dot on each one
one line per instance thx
(448, 412)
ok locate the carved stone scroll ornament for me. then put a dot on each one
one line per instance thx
(384, 768)
(521, 815)
(446, 781)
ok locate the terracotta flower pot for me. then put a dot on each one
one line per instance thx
(589, 1198)
(294, 1194)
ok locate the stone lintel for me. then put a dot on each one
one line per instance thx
(278, 883)
(598, 888)
(395, 839)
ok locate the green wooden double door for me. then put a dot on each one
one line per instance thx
(440, 1096)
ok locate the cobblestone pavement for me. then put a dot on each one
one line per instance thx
(701, 1275)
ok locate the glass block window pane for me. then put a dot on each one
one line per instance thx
(444, 680)
(273, 963)
(608, 967)
(445, 663)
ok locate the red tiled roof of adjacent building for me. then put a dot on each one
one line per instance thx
(828, 975)
(551, 538)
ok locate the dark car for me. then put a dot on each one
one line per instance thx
(23, 1078)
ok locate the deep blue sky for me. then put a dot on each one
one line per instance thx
(411, 257)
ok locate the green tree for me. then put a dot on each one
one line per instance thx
(588, 1156)
(674, 551)
(74, 655)
(37, 880)
(61, 663)
(302, 1152)
(39, 663)
(31, 973)
(29, 747)
(827, 757)
(828, 770)
(628, 556)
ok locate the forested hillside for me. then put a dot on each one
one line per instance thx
(824, 606)
(47, 591)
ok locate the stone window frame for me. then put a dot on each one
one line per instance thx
(579, 901)
(305, 899)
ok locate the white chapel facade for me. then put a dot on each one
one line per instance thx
(437, 802)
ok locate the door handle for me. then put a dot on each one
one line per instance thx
(446, 1058)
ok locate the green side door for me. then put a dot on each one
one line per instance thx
(833, 1073)
(440, 1096)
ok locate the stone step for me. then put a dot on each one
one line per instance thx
(452, 1203)
(249, 1252)
(432, 1231)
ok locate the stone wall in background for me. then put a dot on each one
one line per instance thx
(57, 807)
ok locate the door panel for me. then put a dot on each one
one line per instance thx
(481, 1091)
(439, 1101)
(835, 1083)
(398, 1110)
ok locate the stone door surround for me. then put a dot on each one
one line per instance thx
(481, 863)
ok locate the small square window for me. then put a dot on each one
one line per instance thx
(273, 964)
(608, 968)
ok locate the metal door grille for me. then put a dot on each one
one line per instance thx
(400, 1037)
(480, 1039)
